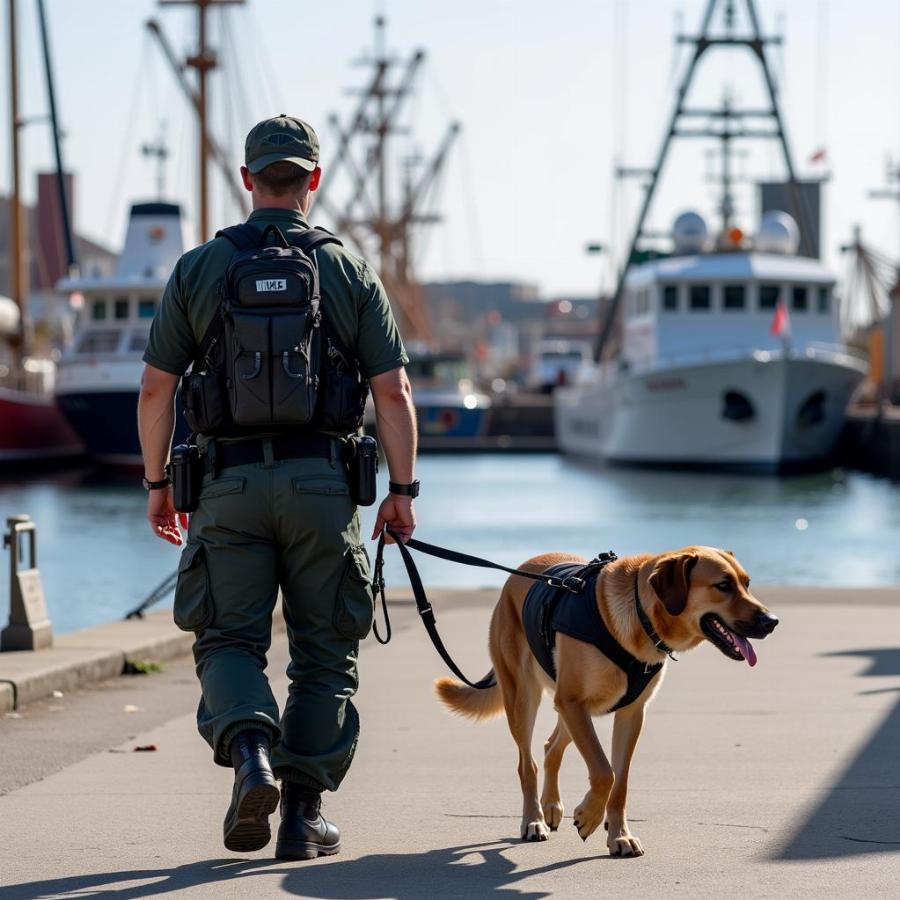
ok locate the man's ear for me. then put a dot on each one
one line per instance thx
(316, 177)
(671, 579)
(246, 178)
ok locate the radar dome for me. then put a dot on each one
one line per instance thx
(689, 233)
(9, 316)
(778, 233)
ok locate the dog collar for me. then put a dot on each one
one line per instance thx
(647, 625)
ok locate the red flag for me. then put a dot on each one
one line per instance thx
(818, 156)
(781, 321)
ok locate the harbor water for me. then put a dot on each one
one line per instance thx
(98, 558)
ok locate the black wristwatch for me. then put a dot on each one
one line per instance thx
(404, 490)
(155, 485)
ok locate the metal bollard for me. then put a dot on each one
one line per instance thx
(29, 625)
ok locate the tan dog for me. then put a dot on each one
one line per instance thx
(690, 595)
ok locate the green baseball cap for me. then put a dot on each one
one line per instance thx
(281, 138)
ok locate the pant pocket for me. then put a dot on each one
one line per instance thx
(355, 609)
(193, 609)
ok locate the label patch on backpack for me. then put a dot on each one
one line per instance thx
(271, 284)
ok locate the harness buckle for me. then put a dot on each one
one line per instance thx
(573, 583)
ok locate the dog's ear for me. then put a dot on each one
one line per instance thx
(671, 579)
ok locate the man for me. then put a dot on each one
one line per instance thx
(275, 511)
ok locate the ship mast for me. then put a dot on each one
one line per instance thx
(66, 221)
(204, 61)
(18, 285)
(369, 213)
(749, 128)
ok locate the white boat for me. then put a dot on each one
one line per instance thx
(701, 379)
(99, 376)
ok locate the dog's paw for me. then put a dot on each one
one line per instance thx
(553, 814)
(624, 844)
(588, 816)
(535, 831)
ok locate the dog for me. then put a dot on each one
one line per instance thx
(688, 596)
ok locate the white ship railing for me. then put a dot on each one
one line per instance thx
(835, 353)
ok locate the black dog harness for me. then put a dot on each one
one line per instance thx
(548, 610)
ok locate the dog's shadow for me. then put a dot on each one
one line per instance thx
(469, 870)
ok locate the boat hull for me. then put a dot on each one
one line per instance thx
(33, 430)
(764, 412)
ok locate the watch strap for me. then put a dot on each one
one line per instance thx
(404, 490)
(155, 485)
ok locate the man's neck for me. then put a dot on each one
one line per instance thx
(293, 204)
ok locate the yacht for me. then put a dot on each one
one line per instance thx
(99, 376)
(730, 357)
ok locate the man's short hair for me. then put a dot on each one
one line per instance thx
(279, 179)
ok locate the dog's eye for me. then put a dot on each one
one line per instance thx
(726, 587)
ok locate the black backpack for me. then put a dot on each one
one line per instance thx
(269, 361)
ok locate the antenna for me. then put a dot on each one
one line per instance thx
(726, 124)
(158, 151)
(204, 61)
(371, 211)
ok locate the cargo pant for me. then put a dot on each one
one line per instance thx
(259, 526)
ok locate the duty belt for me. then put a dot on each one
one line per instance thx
(218, 455)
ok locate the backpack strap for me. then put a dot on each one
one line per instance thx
(313, 238)
(242, 237)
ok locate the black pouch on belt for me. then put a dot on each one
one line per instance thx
(184, 470)
(363, 468)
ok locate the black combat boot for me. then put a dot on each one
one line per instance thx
(255, 794)
(304, 832)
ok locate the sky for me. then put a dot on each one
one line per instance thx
(549, 95)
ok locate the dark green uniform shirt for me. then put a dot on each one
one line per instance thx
(353, 297)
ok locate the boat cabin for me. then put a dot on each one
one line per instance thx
(686, 308)
(114, 314)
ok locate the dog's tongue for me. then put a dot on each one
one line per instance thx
(745, 648)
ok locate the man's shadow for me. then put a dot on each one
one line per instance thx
(861, 812)
(469, 870)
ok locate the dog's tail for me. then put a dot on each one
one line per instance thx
(469, 702)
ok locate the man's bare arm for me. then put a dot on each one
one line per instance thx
(396, 420)
(156, 424)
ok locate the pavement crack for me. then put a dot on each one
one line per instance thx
(730, 825)
(857, 840)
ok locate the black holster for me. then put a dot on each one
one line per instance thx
(363, 467)
(186, 473)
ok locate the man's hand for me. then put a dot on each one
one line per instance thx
(163, 519)
(396, 513)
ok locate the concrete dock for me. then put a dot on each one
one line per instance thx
(778, 781)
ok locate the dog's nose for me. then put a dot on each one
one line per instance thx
(766, 621)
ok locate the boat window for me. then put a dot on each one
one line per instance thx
(768, 295)
(138, 343)
(823, 300)
(670, 297)
(734, 296)
(700, 296)
(121, 308)
(146, 309)
(99, 342)
(98, 310)
(798, 297)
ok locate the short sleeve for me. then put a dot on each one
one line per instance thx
(172, 344)
(379, 346)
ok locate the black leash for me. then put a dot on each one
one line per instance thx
(573, 583)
